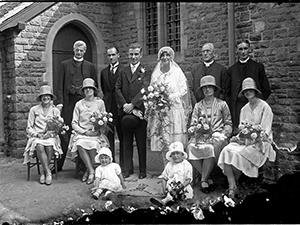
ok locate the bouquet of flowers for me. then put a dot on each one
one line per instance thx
(55, 126)
(200, 129)
(100, 121)
(177, 190)
(157, 104)
(156, 98)
(250, 134)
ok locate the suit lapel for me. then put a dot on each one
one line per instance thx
(128, 73)
(108, 77)
(135, 74)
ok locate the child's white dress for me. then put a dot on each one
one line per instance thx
(108, 176)
(179, 172)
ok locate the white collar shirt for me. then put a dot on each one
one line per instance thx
(134, 67)
(113, 68)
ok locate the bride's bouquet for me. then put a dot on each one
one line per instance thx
(200, 129)
(156, 99)
(157, 105)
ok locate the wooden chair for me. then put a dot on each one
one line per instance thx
(37, 163)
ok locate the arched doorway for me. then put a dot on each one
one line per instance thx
(63, 48)
(90, 31)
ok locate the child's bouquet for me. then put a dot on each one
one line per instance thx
(100, 121)
(200, 129)
(250, 134)
(55, 126)
(177, 190)
(156, 99)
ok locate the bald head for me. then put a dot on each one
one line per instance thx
(208, 52)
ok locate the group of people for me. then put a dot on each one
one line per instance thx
(225, 99)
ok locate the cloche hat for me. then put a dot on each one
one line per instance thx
(88, 82)
(248, 83)
(176, 146)
(103, 151)
(45, 90)
(208, 80)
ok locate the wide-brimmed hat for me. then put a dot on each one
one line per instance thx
(208, 80)
(176, 146)
(45, 90)
(248, 84)
(103, 151)
(88, 82)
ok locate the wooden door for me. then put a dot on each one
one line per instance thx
(63, 48)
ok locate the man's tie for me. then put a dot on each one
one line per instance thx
(112, 69)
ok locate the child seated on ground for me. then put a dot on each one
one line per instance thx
(177, 176)
(108, 176)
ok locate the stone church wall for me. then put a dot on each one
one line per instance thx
(24, 62)
(273, 30)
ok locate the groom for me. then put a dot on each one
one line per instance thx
(132, 79)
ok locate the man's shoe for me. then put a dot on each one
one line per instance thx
(126, 175)
(142, 175)
(157, 202)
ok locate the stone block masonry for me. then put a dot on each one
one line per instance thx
(273, 30)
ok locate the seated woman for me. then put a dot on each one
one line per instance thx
(204, 150)
(41, 139)
(85, 139)
(241, 156)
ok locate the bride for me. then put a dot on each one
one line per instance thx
(168, 72)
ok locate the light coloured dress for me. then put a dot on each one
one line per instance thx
(108, 176)
(176, 117)
(219, 119)
(36, 124)
(81, 123)
(179, 172)
(249, 158)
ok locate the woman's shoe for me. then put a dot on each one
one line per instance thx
(232, 192)
(90, 178)
(42, 179)
(204, 186)
(85, 176)
(48, 179)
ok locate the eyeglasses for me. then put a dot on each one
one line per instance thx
(241, 49)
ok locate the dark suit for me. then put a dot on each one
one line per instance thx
(198, 71)
(128, 90)
(235, 76)
(108, 80)
(68, 95)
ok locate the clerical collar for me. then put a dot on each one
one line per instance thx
(207, 64)
(244, 61)
(77, 60)
(115, 65)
